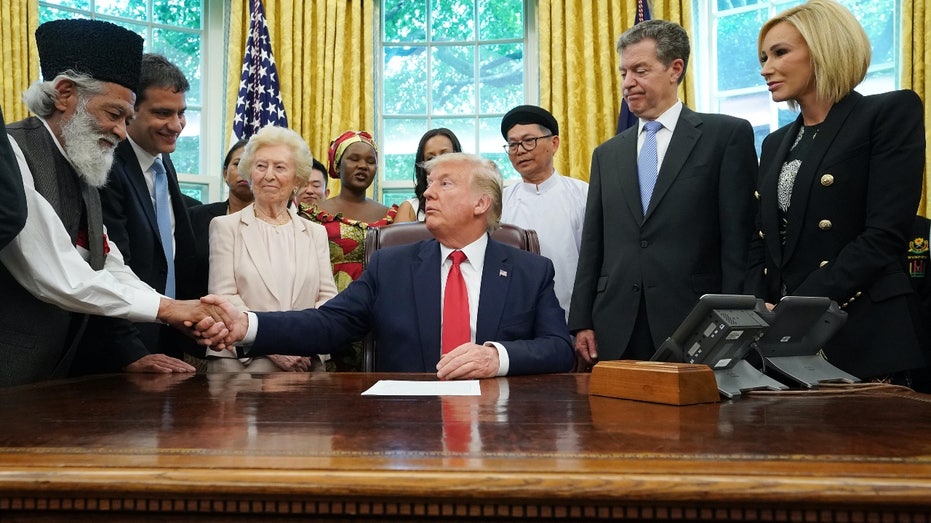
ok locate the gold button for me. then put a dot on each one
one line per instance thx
(762, 235)
(825, 225)
(858, 294)
(756, 194)
(765, 271)
(827, 180)
(823, 263)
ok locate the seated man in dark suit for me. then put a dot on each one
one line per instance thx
(509, 321)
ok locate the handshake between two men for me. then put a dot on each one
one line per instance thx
(218, 324)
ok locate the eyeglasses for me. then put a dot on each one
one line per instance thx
(528, 144)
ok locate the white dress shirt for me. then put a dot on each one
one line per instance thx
(664, 135)
(43, 261)
(146, 161)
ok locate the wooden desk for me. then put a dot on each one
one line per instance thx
(126, 447)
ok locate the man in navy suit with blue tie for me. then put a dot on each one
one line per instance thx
(515, 323)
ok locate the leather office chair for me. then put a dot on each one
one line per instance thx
(409, 232)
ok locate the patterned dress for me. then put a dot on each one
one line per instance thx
(347, 257)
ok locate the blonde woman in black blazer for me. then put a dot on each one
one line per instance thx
(839, 188)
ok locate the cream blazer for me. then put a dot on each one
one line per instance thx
(240, 263)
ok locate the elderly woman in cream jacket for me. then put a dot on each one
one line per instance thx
(266, 258)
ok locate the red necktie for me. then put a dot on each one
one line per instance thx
(455, 306)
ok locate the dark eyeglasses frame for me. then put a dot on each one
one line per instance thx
(528, 144)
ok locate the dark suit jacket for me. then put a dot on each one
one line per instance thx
(852, 206)
(398, 298)
(13, 209)
(200, 223)
(130, 219)
(692, 241)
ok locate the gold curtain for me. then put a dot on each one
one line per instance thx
(325, 59)
(579, 79)
(19, 20)
(916, 74)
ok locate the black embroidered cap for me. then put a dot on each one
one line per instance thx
(100, 49)
(527, 114)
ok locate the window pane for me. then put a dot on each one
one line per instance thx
(738, 64)
(490, 142)
(453, 20)
(502, 77)
(405, 80)
(398, 165)
(182, 14)
(187, 151)
(182, 49)
(405, 20)
(724, 5)
(453, 79)
(121, 8)
(396, 196)
(436, 73)
(198, 191)
(878, 18)
(501, 19)
(47, 14)
(77, 4)
(463, 128)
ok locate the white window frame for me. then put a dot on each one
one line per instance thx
(531, 88)
(213, 68)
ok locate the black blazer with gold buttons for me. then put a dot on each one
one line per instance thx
(852, 206)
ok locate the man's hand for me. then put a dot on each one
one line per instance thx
(291, 363)
(223, 333)
(182, 315)
(468, 361)
(158, 363)
(586, 347)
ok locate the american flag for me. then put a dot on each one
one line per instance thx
(259, 101)
(625, 119)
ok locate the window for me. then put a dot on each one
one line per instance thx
(175, 29)
(458, 64)
(728, 70)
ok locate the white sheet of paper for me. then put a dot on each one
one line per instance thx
(424, 388)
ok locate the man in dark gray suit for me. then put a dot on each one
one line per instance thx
(129, 198)
(670, 207)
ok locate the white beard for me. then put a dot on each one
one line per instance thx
(81, 141)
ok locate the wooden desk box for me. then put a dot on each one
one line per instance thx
(654, 381)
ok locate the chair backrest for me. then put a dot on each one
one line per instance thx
(409, 232)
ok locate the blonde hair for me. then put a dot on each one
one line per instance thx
(273, 135)
(838, 45)
(485, 178)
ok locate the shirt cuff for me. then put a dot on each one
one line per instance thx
(143, 306)
(504, 363)
(251, 332)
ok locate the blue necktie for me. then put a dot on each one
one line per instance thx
(163, 217)
(647, 163)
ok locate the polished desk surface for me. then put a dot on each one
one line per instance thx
(535, 446)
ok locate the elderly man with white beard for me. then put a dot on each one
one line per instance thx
(61, 267)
